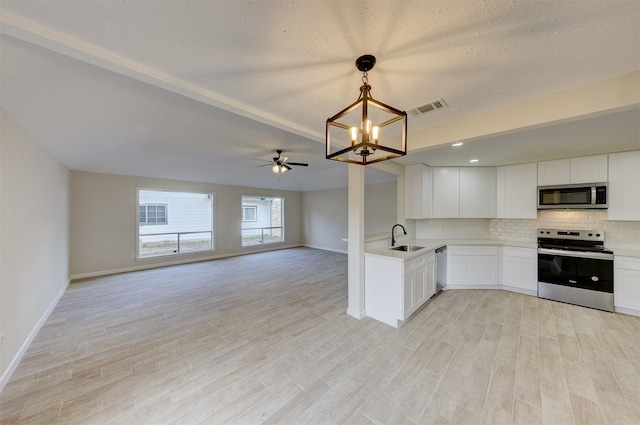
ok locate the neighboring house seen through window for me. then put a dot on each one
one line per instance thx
(262, 220)
(153, 214)
(188, 229)
(249, 213)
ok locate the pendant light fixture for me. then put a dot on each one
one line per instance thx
(367, 131)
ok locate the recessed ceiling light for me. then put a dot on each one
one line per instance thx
(474, 160)
(457, 144)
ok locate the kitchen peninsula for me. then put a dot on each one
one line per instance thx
(399, 282)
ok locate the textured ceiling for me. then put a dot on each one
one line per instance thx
(193, 90)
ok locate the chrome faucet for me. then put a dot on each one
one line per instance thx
(393, 239)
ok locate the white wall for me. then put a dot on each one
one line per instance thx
(34, 239)
(325, 214)
(380, 208)
(103, 222)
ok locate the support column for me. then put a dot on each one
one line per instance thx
(356, 242)
(400, 213)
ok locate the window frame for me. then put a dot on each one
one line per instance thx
(211, 196)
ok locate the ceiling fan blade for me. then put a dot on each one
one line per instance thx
(286, 166)
(298, 163)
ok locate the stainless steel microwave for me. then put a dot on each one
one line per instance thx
(573, 196)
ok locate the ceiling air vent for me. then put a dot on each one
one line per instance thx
(428, 107)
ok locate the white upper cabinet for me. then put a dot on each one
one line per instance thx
(554, 172)
(446, 192)
(586, 169)
(517, 191)
(589, 169)
(624, 186)
(478, 192)
(467, 192)
(417, 191)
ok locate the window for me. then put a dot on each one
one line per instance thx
(262, 220)
(153, 214)
(189, 229)
(249, 213)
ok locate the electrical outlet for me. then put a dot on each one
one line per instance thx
(1, 339)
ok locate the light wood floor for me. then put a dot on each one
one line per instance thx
(265, 339)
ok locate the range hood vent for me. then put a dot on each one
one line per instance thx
(428, 107)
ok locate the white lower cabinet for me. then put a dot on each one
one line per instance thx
(395, 289)
(626, 281)
(472, 267)
(520, 270)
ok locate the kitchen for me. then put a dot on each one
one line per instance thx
(502, 252)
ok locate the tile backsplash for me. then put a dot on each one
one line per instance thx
(453, 228)
(620, 234)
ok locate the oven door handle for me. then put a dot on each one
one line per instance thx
(577, 254)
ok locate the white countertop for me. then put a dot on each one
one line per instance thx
(387, 252)
(433, 244)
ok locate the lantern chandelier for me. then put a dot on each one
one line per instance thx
(367, 131)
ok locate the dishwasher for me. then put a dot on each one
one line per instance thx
(441, 269)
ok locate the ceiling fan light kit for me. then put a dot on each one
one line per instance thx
(281, 164)
(279, 169)
(367, 131)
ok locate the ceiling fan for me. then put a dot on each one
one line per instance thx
(280, 164)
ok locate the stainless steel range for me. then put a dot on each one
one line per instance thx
(574, 267)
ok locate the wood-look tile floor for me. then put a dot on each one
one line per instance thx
(265, 338)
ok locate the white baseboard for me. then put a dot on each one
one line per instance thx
(178, 262)
(520, 290)
(629, 311)
(6, 375)
(340, 251)
(449, 286)
(357, 314)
